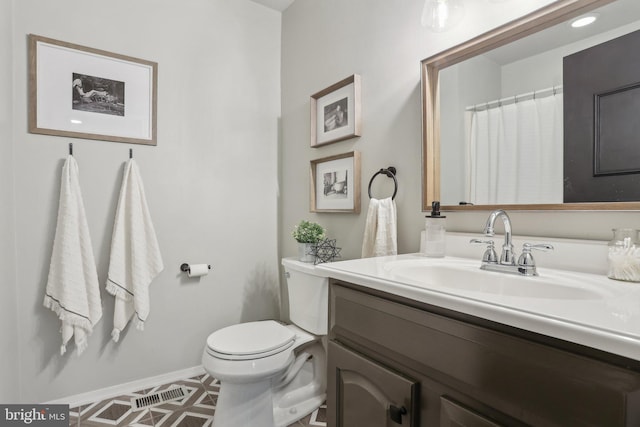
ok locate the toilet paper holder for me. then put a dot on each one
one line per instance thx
(184, 267)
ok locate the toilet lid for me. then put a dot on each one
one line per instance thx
(250, 340)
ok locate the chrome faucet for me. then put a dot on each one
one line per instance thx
(525, 266)
(507, 256)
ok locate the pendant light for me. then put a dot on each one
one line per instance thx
(442, 15)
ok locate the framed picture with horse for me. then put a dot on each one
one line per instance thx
(82, 92)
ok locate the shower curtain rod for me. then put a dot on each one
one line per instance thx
(516, 98)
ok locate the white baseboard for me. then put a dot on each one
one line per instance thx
(120, 389)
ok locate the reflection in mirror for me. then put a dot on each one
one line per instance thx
(493, 110)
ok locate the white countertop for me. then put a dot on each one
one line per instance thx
(610, 322)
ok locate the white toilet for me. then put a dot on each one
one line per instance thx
(272, 374)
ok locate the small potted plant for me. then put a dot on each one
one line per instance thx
(307, 234)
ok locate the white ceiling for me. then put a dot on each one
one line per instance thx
(611, 16)
(279, 5)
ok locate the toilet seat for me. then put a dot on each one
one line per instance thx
(248, 341)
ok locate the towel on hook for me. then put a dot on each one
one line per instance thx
(380, 232)
(73, 290)
(135, 255)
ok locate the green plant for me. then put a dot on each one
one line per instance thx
(308, 232)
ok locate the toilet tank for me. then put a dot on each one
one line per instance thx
(308, 295)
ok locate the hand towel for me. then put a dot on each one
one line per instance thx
(73, 290)
(135, 255)
(380, 233)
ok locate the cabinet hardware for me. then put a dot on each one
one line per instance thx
(396, 413)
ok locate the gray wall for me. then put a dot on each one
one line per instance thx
(9, 355)
(211, 185)
(383, 41)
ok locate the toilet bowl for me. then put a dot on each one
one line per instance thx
(272, 374)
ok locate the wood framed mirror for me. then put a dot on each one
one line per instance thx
(511, 37)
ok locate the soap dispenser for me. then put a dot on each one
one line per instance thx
(434, 232)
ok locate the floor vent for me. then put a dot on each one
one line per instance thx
(158, 398)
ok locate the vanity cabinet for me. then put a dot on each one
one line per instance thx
(397, 362)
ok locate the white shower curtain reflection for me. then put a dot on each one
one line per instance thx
(515, 153)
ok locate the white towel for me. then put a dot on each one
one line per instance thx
(380, 232)
(73, 290)
(135, 256)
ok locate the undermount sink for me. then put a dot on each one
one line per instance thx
(462, 275)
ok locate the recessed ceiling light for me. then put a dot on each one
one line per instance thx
(584, 20)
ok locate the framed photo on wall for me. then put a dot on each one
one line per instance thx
(335, 183)
(335, 112)
(81, 92)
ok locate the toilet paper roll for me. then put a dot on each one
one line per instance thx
(198, 270)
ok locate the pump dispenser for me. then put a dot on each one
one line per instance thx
(434, 244)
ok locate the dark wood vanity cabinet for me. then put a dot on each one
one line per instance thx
(370, 394)
(398, 362)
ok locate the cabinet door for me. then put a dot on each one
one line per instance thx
(363, 393)
(454, 415)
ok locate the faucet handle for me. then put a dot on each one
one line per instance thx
(526, 259)
(481, 242)
(544, 247)
(490, 254)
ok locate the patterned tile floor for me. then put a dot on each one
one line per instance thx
(196, 409)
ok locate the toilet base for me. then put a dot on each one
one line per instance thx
(306, 392)
(275, 401)
(239, 405)
(283, 417)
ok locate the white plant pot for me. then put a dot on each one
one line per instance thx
(305, 252)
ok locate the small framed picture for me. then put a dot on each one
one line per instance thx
(81, 92)
(335, 112)
(335, 183)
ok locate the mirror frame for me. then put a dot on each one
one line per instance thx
(538, 20)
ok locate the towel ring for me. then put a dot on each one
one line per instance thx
(391, 173)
